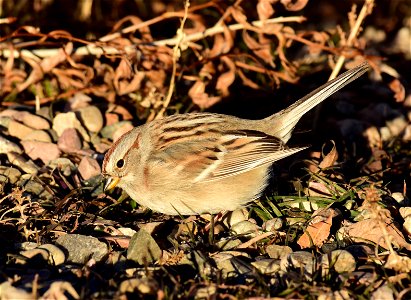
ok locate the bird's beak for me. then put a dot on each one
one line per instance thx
(111, 183)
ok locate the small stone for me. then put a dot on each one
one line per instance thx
(407, 224)
(34, 187)
(32, 121)
(108, 131)
(341, 261)
(231, 266)
(145, 286)
(18, 130)
(228, 244)
(40, 150)
(69, 141)
(27, 166)
(297, 260)
(38, 135)
(69, 120)
(405, 212)
(277, 251)
(383, 292)
(399, 197)
(82, 248)
(235, 217)
(7, 146)
(56, 255)
(5, 121)
(273, 224)
(267, 266)
(65, 165)
(151, 227)
(88, 168)
(121, 131)
(207, 292)
(92, 118)
(11, 173)
(143, 249)
(245, 228)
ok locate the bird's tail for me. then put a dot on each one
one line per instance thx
(285, 120)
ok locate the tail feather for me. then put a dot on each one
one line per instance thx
(287, 119)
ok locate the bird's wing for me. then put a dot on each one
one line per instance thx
(208, 159)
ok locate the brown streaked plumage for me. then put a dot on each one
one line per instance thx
(203, 162)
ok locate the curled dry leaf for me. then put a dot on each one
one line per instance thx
(398, 89)
(200, 97)
(125, 80)
(262, 50)
(294, 5)
(329, 159)
(226, 79)
(318, 229)
(265, 9)
(222, 43)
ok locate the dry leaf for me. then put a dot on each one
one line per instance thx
(226, 79)
(330, 159)
(200, 97)
(293, 5)
(318, 189)
(398, 89)
(262, 50)
(370, 231)
(265, 9)
(318, 230)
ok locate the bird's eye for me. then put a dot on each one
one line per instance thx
(120, 163)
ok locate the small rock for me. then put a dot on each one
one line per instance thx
(18, 130)
(235, 217)
(5, 121)
(405, 212)
(399, 197)
(383, 292)
(145, 286)
(69, 120)
(27, 166)
(297, 259)
(267, 266)
(127, 231)
(108, 131)
(208, 292)
(65, 165)
(56, 255)
(81, 248)
(40, 150)
(88, 168)
(273, 224)
(228, 244)
(69, 140)
(7, 146)
(151, 227)
(336, 295)
(32, 121)
(92, 118)
(38, 135)
(11, 173)
(341, 261)
(245, 228)
(143, 249)
(231, 266)
(121, 131)
(407, 224)
(277, 251)
(34, 187)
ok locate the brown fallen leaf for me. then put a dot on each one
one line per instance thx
(370, 231)
(319, 228)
